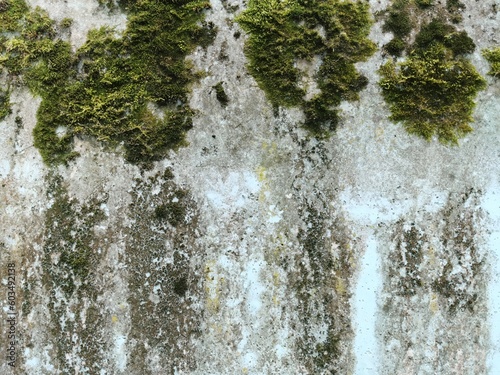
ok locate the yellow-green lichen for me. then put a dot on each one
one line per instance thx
(283, 32)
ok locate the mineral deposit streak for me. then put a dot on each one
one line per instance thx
(368, 287)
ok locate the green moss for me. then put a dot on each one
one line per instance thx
(424, 3)
(398, 22)
(66, 23)
(438, 32)
(460, 43)
(281, 33)
(221, 94)
(493, 57)
(395, 47)
(433, 33)
(432, 94)
(11, 12)
(104, 90)
(455, 7)
(4, 103)
(433, 91)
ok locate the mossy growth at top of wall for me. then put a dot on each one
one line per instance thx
(106, 88)
(493, 57)
(432, 91)
(281, 33)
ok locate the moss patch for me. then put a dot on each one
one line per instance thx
(398, 20)
(493, 57)
(282, 33)
(104, 89)
(4, 103)
(432, 92)
(11, 12)
(221, 94)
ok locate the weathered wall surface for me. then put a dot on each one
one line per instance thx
(257, 249)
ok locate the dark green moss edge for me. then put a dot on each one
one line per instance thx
(282, 33)
(104, 89)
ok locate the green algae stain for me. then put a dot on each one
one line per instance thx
(164, 283)
(283, 33)
(70, 260)
(105, 89)
(431, 92)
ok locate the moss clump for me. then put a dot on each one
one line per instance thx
(395, 47)
(493, 57)
(432, 94)
(11, 12)
(438, 32)
(398, 22)
(455, 7)
(66, 23)
(220, 94)
(105, 89)
(281, 33)
(424, 3)
(4, 103)
(434, 32)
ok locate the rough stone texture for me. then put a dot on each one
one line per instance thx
(370, 252)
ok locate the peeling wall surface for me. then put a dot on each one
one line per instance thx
(255, 248)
